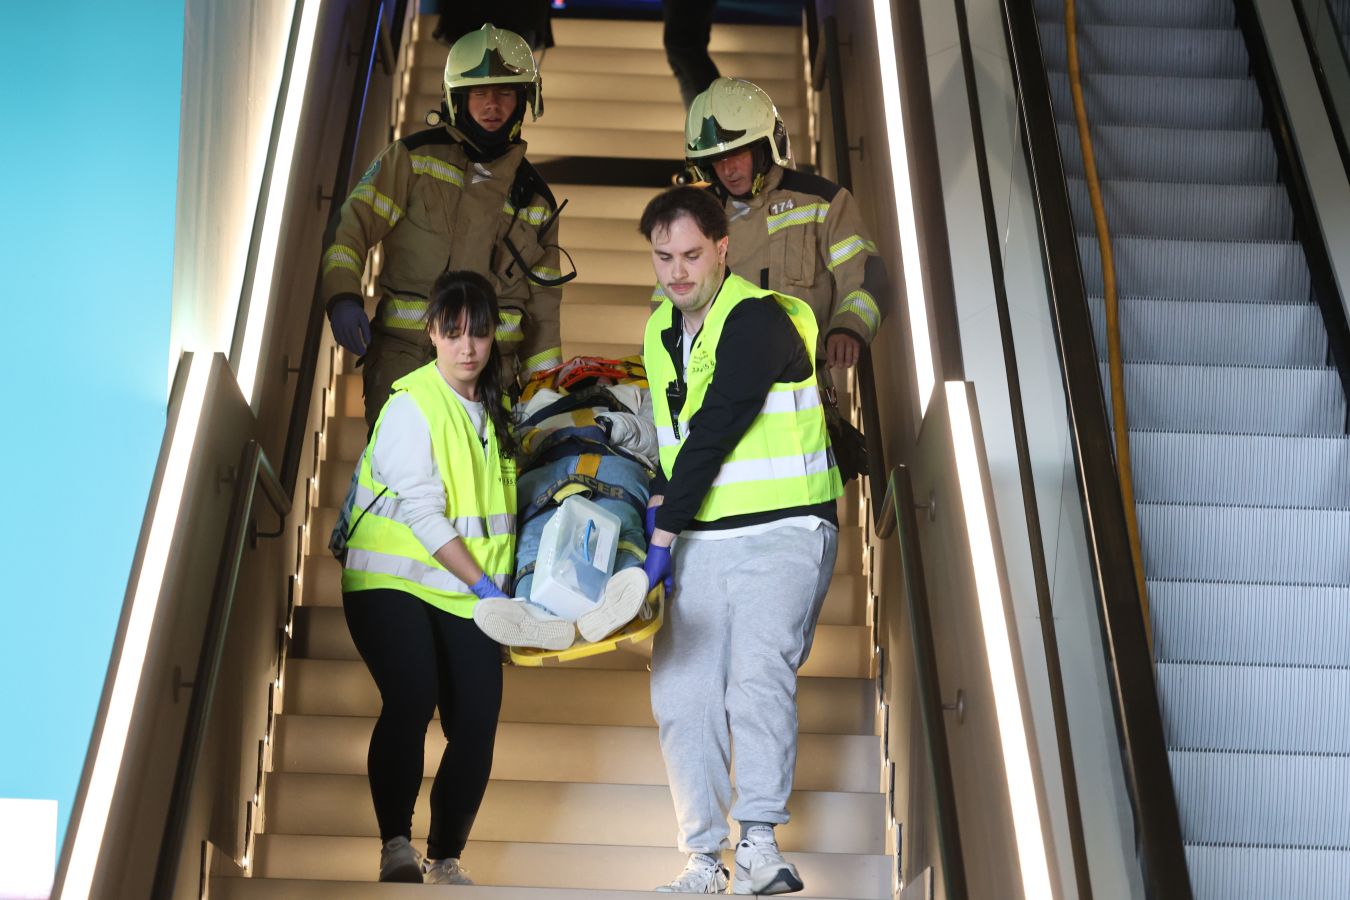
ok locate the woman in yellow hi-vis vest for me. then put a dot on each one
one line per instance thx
(428, 530)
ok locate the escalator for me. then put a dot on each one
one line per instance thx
(1237, 427)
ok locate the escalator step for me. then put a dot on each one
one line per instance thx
(1233, 399)
(1262, 873)
(1214, 333)
(1241, 470)
(1126, 50)
(1264, 271)
(1229, 543)
(1231, 104)
(1254, 709)
(1221, 212)
(1174, 155)
(1251, 624)
(1159, 13)
(1263, 800)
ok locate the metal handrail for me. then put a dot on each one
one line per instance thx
(254, 472)
(1030, 504)
(372, 47)
(867, 388)
(1129, 661)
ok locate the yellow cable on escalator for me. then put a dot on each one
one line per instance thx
(1113, 354)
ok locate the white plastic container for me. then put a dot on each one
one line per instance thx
(576, 558)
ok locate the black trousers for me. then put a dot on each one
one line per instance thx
(423, 658)
(688, 28)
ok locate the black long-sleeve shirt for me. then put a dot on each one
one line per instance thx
(758, 347)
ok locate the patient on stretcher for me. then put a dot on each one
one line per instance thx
(585, 430)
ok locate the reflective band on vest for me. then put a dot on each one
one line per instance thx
(480, 491)
(783, 460)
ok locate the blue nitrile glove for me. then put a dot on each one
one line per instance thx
(658, 567)
(351, 325)
(650, 527)
(485, 589)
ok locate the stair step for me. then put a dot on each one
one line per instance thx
(662, 88)
(596, 201)
(1245, 544)
(1201, 332)
(606, 61)
(1266, 624)
(1262, 800)
(785, 40)
(839, 651)
(602, 235)
(1201, 212)
(549, 141)
(1160, 100)
(1136, 50)
(557, 812)
(601, 266)
(223, 888)
(1241, 470)
(1260, 271)
(845, 604)
(596, 867)
(1176, 155)
(1255, 709)
(1159, 13)
(1264, 873)
(1233, 399)
(567, 696)
(613, 754)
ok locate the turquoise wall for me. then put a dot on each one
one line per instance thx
(89, 116)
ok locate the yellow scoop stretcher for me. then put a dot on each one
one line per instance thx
(633, 637)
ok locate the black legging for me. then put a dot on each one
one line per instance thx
(688, 28)
(422, 658)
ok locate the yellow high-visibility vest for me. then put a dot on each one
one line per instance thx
(480, 494)
(784, 459)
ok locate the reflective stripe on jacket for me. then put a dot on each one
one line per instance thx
(480, 492)
(783, 460)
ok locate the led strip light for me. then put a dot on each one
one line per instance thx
(915, 298)
(260, 293)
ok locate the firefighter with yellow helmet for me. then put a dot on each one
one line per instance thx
(791, 232)
(461, 196)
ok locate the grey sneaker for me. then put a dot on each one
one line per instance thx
(703, 874)
(514, 622)
(624, 594)
(446, 871)
(760, 868)
(400, 862)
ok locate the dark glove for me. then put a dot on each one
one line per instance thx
(650, 527)
(658, 568)
(485, 589)
(351, 326)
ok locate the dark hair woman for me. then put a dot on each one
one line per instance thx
(432, 531)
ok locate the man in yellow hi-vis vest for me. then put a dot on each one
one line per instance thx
(748, 484)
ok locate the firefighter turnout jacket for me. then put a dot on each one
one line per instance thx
(434, 209)
(803, 236)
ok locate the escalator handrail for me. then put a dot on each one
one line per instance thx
(1129, 662)
(1307, 227)
(254, 472)
(373, 47)
(867, 388)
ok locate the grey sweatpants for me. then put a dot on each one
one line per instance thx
(724, 670)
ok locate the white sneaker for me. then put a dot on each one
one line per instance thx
(703, 874)
(515, 622)
(623, 597)
(400, 862)
(446, 871)
(760, 868)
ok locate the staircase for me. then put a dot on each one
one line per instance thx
(1237, 433)
(578, 803)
